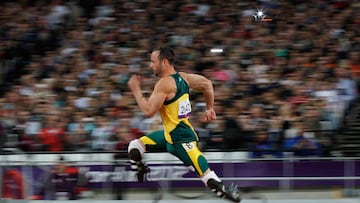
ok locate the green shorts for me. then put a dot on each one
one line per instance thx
(187, 152)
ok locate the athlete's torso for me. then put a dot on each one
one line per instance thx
(175, 114)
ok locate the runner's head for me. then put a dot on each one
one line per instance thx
(161, 58)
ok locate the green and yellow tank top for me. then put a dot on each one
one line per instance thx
(175, 114)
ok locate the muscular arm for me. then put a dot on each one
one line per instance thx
(200, 83)
(151, 105)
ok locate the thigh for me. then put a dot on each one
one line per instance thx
(154, 141)
(190, 155)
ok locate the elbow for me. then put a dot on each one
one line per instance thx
(209, 85)
(149, 110)
(149, 114)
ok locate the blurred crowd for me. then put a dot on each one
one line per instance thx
(284, 84)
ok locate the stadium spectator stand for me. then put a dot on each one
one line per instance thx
(72, 59)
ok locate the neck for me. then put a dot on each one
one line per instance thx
(168, 71)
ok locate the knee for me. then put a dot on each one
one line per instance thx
(136, 150)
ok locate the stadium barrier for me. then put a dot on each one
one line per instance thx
(104, 173)
(192, 201)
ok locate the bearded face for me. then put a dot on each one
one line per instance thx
(156, 64)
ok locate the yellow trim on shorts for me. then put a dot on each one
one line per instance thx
(147, 141)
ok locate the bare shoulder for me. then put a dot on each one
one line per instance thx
(183, 75)
(193, 79)
(189, 76)
(166, 84)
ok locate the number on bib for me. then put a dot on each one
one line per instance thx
(188, 146)
(184, 108)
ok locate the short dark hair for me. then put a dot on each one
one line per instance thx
(166, 53)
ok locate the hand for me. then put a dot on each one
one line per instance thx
(209, 115)
(134, 82)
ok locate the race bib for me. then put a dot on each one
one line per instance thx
(188, 146)
(184, 108)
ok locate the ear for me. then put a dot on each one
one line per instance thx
(165, 61)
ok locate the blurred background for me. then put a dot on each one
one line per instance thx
(286, 93)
